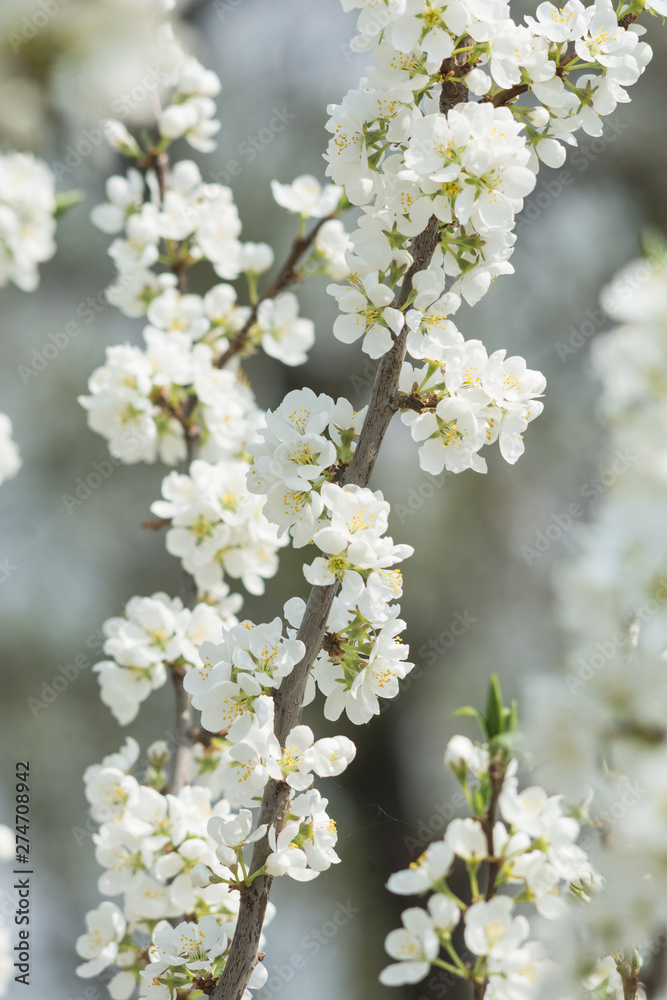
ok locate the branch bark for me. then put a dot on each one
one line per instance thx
(454, 90)
(497, 776)
(184, 725)
(289, 697)
(628, 970)
(185, 728)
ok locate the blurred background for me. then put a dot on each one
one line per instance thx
(477, 594)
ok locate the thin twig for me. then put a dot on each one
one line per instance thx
(185, 728)
(160, 400)
(182, 761)
(628, 970)
(454, 90)
(478, 989)
(287, 276)
(497, 776)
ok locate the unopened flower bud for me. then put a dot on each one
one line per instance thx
(201, 876)
(158, 754)
(120, 140)
(226, 855)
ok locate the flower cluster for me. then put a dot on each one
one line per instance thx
(27, 219)
(183, 394)
(233, 688)
(155, 635)
(602, 723)
(438, 178)
(148, 843)
(466, 401)
(295, 458)
(144, 400)
(400, 150)
(363, 658)
(217, 526)
(123, 62)
(304, 846)
(526, 842)
(432, 133)
(191, 112)
(137, 398)
(297, 466)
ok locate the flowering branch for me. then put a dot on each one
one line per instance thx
(439, 191)
(533, 847)
(286, 277)
(289, 698)
(497, 768)
(504, 97)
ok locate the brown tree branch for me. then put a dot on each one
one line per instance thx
(413, 401)
(180, 776)
(478, 989)
(286, 276)
(185, 730)
(497, 776)
(157, 523)
(628, 970)
(454, 90)
(289, 697)
(185, 727)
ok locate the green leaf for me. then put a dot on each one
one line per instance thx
(469, 710)
(653, 245)
(494, 708)
(66, 200)
(509, 742)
